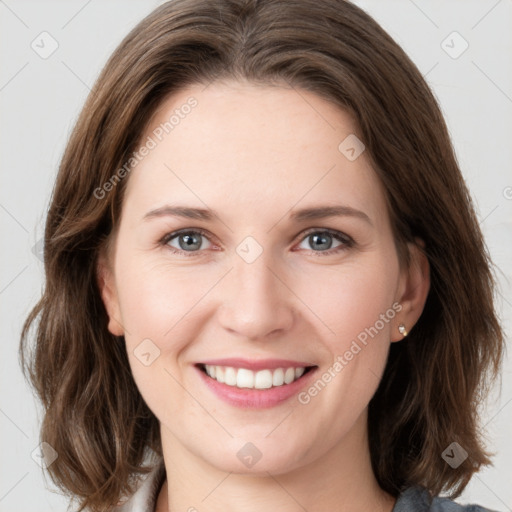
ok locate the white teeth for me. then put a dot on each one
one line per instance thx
(262, 379)
(278, 377)
(289, 375)
(230, 376)
(244, 378)
(219, 373)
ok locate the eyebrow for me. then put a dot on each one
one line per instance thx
(314, 213)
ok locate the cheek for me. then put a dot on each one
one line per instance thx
(155, 297)
(158, 304)
(355, 302)
(163, 311)
(151, 308)
(357, 306)
(350, 301)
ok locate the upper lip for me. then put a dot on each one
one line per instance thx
(256, 364)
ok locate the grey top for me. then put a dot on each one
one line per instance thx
(413, 499)
(418, 499)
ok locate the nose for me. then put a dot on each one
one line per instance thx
(257, 301)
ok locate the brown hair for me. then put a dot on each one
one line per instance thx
(434, 382)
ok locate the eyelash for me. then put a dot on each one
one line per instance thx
(346, 240)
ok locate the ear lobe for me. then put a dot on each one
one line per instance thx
(414, 289)
(106, 285)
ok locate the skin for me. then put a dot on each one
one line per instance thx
(255, 154)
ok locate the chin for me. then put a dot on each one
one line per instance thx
(257, 458)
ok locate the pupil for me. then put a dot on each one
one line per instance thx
(189, 242)
(322, 239)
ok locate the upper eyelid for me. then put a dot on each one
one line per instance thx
(173, 234)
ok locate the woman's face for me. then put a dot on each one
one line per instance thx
(258, 277)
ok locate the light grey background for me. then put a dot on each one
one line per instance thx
(41, 97)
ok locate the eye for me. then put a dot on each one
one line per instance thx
(322, 239)
(189, 241)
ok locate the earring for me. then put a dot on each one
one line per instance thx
(401, 330)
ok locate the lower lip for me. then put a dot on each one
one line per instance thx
(256, 398)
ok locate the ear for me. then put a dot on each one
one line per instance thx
(413, 289)
(106, 284)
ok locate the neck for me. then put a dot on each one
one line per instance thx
(341, 479)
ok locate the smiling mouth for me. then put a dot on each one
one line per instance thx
(244, 378)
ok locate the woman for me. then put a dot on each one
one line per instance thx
(190, 329)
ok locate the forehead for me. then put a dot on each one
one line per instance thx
(251, 149)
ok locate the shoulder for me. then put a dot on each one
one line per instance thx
(418, 499)
(144, 498)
